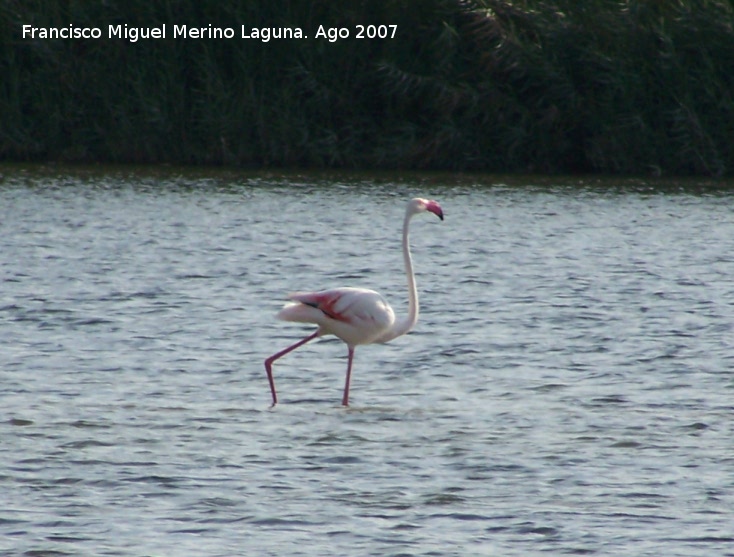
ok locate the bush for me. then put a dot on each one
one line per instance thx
(610, 86)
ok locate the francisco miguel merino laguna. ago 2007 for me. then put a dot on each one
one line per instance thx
(264, 34)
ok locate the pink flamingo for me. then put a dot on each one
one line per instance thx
(355, 315)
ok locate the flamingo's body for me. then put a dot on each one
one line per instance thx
(355, 315)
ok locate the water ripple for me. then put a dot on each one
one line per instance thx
(567, 389)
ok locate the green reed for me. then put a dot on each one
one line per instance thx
(609, 86)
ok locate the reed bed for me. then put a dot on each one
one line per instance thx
(601, 86)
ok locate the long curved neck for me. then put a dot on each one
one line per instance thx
(405, 324)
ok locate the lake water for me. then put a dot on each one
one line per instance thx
(569, 388)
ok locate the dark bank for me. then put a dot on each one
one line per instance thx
(606, 86)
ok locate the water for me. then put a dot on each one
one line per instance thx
(568, 388)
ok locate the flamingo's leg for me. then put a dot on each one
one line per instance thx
(271, 359)
(345, 398)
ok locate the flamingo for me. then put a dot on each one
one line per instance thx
(355, 315)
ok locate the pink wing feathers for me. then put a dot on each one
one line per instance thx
(335, 304)
(356, 315)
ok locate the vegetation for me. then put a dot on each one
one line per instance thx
(610, 86)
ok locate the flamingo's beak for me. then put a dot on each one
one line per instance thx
(434, 208)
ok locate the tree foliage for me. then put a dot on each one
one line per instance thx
(612, 86)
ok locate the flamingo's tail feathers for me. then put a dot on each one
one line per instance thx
(299, 313)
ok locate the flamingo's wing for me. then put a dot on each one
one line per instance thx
(324, 301)
(349, 305)
(356, 315)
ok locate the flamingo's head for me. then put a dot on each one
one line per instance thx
(419, 205)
